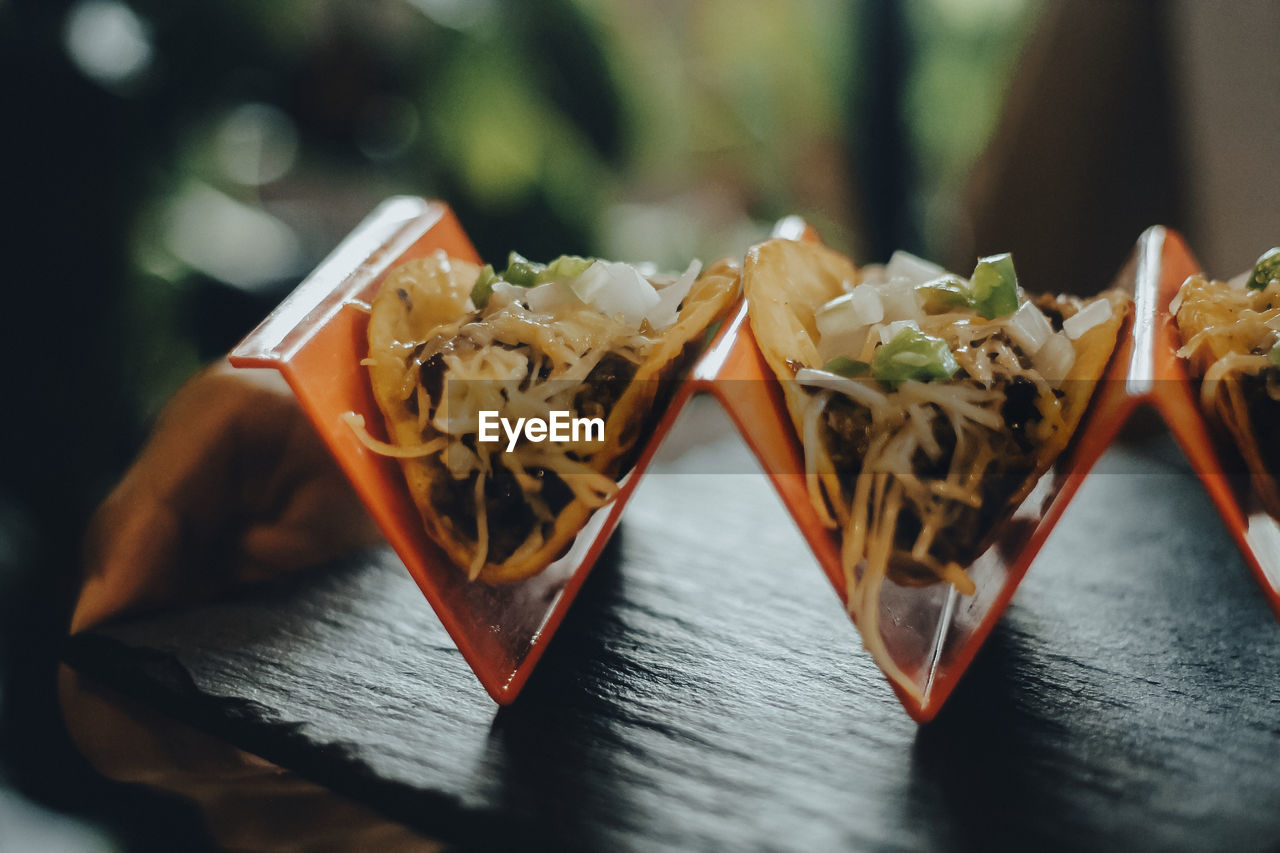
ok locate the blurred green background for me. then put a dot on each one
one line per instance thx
(237, 142)
(176, 167)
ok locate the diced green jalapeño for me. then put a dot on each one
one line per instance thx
(994, 286)
(849, 367)
(563, 268)
(913, 355)
(938, 295)
(1266, 270)
(483, 288)
(521, 271)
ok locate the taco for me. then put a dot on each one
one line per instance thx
(927, 405)
(452, 344)
(1231, 339)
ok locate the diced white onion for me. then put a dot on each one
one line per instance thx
(837, 315)
(913, 269)
(858, 308)
(845, 342)
(1056, 358)
(592, 279)
(868, 303)
(1029, 328)
(899, 299)
(1273, 324)
(545, 298)
(873, 274)
(616, 288)
(504, 293)
(889, 331)
(1098, 311)
(667, 308)
(1239, 282)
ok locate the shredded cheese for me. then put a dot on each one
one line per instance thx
(415, 451)
(1229, 331)
(958, 421)
(525, 357)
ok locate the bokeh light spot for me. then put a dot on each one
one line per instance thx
(455, 14)
(231, 241)
(108, 42)
(256, 144)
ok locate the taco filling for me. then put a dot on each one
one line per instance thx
(450, 341)
(927, 404)
(1231, 338)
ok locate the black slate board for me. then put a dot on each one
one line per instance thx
(707, 690)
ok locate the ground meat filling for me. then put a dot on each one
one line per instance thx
(846, 433)
(845, 430)
(511, 519)
(1020, 411)
(604, 386)
(1261, 393)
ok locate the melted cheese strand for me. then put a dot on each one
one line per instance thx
(1230, 365)
(813, 461)
(416, 451)
(867, 602)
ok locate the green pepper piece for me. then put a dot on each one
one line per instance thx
(913, 355)
(521, 271)
(1266, 270)
(994, 289)
(1274, 355)
(483, 288)
(563, 268)
(846, 366)
(943, 293)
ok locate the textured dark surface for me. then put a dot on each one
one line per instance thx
(708, 691)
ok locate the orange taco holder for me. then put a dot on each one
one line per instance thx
(316, 339)
(934, 633)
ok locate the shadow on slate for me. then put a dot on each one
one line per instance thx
(1131, 698)
(707, 690)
